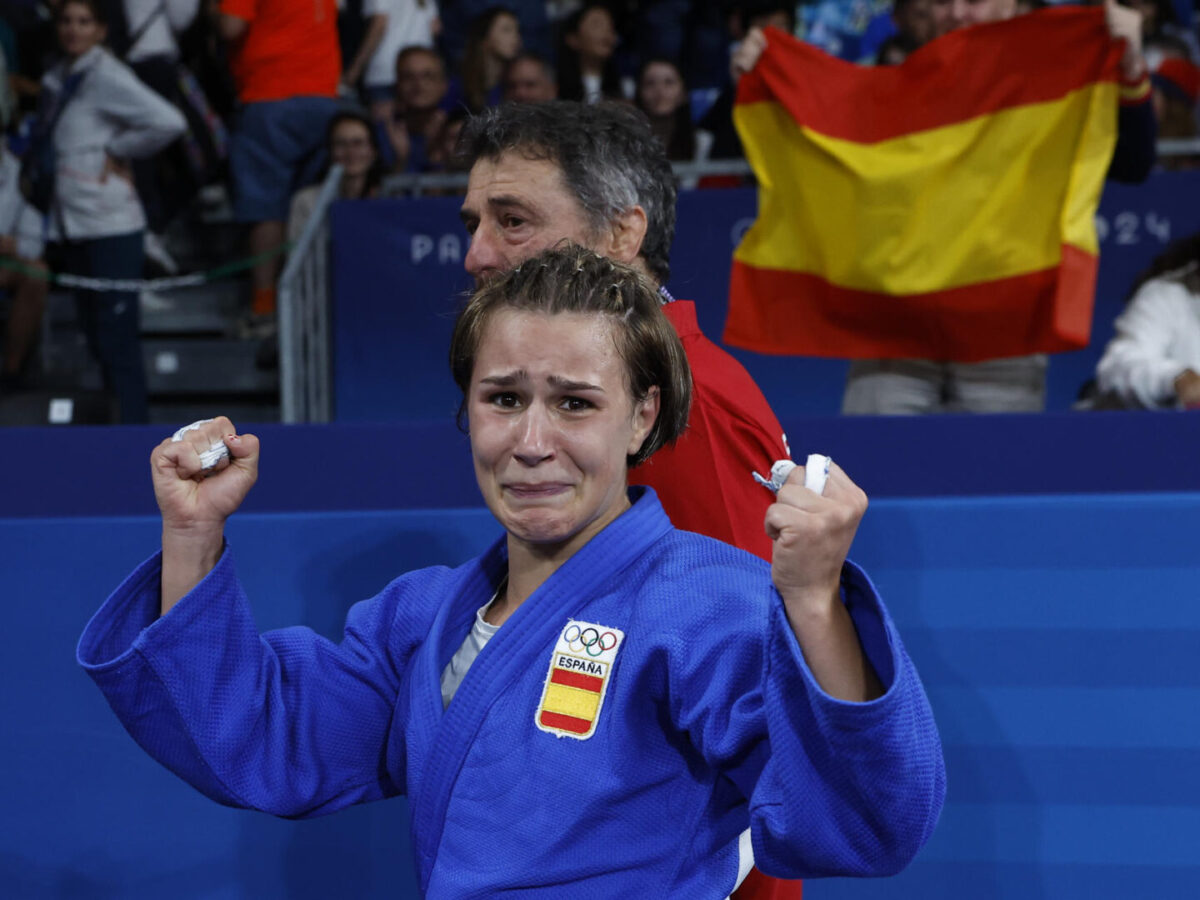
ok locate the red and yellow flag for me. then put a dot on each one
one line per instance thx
(941, 209)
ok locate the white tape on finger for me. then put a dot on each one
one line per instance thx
(213, 455)
(209, 458)
(816, 472)
(195, 426)
(780, 471)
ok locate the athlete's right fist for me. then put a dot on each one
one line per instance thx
(194, 498)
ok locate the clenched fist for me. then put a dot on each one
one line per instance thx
(195, 502)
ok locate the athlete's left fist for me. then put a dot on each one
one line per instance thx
(812, 534)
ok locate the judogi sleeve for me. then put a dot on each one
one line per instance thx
(834, 787)
(872, 774)
(287, 722)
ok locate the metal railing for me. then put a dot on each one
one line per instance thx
(305, 370)
(1179, 146)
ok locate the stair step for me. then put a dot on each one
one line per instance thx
(205, 366)
(211, 308)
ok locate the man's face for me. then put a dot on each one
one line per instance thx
(420, 82)
(527, 82)
(949, 15)
(517, 207)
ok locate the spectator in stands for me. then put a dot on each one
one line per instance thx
(375, 16)
(287, 67)
(901, 17)
(352, 143)
(205, 54)
(897, 31)
(23, 274)
(746, 18)
(410, 23)
(1176, 90)
(494, 40)
(894, 50)
(1166, 46)
(659, 29)
(153, 54)
(101, 116)
(663, 97)
(1160, 23)
(529, 79)
(595, 174)
(1153, 360)
(458, 16)
(913, 22)
(851, 30)
(442, 157)
(421, 87)
(587, 68)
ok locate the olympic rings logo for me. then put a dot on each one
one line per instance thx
(589, 640)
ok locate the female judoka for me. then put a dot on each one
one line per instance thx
(598, 706)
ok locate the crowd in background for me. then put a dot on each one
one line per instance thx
(259, 96)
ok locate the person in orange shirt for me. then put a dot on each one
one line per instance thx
(286, 64)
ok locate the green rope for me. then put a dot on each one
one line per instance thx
(66, 279)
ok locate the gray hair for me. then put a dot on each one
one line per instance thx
(610, 160)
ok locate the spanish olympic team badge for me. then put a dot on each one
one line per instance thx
(578, 679)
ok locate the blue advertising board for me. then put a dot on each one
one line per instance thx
(398, 279)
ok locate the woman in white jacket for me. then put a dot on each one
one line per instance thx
(106, 116)
(1153, 359)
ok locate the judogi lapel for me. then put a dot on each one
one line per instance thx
(438, 743)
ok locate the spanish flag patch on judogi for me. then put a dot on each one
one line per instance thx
(578, 679)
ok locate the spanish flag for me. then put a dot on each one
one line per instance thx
(940, 209)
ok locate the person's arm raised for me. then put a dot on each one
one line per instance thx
(195, 502)
(746, 54)
(812, 534)
(1125, 24)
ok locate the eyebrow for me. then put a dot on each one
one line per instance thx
(566, 384)
(504, 201)
(563, 384)
(506, 380)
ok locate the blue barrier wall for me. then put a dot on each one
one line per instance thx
(398, 272)
(92, 471)
(1057, 634)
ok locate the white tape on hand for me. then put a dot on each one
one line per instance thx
(213, 455)
(816, 472)
(195, 426)
(209, 458)
(780, 471)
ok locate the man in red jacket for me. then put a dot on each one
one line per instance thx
(596, 175)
